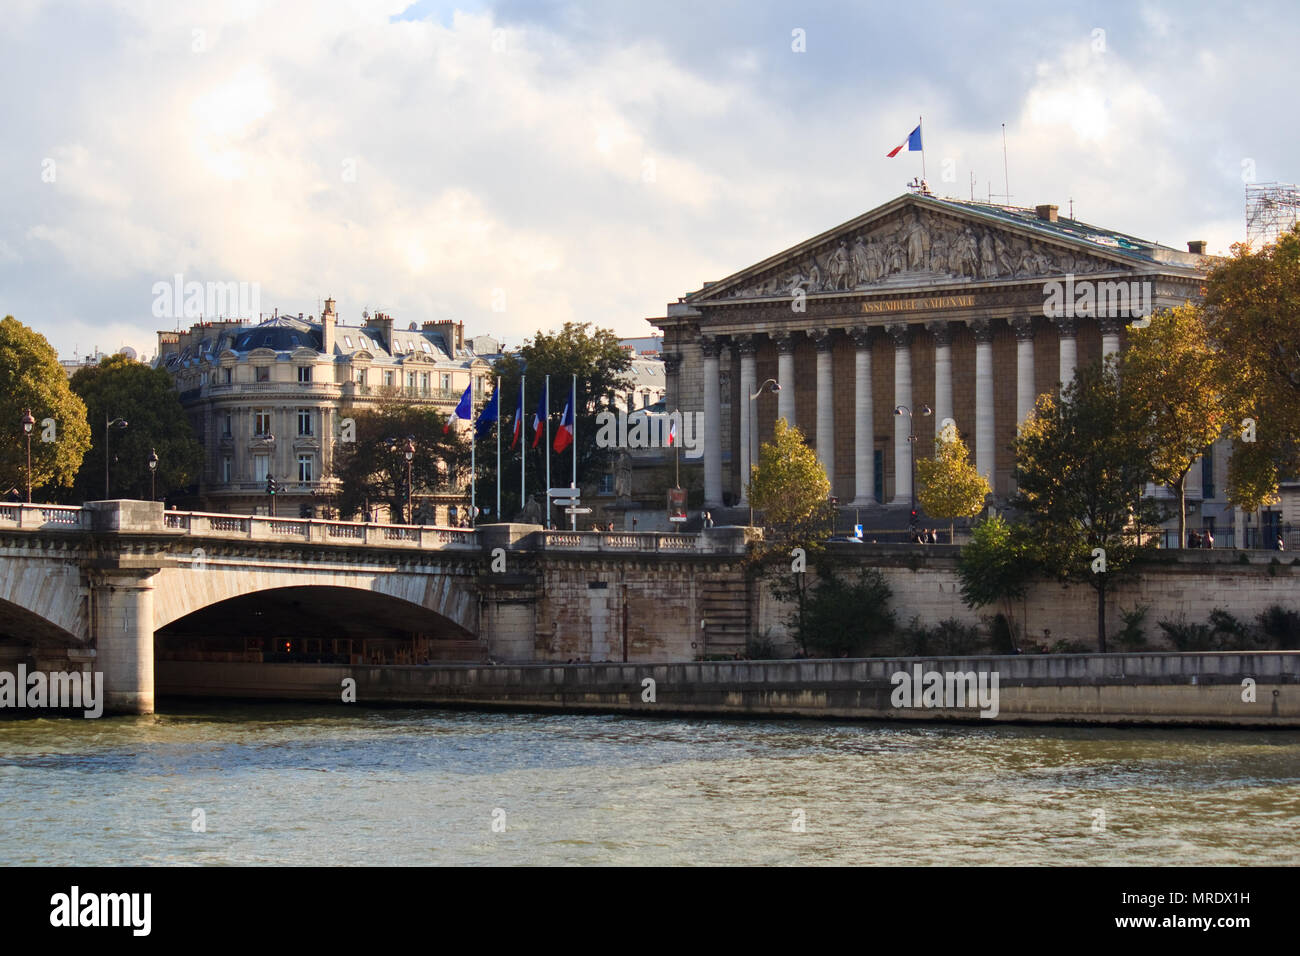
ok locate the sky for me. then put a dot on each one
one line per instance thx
(518, 165)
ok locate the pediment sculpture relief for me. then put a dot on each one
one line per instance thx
(919, 243)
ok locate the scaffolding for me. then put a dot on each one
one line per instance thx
(1271, 209)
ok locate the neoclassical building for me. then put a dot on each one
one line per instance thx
(268, 398)
(970, 308)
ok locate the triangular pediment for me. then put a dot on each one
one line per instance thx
(922, 242)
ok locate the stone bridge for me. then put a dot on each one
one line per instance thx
(111, 585)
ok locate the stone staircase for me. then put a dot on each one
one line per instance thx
(724, 608)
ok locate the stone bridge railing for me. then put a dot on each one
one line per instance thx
(144, 517)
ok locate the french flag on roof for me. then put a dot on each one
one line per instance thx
(913, 143)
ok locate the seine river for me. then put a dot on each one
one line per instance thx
(316, 785)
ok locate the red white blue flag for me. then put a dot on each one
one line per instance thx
(913, 143)
(564, 436)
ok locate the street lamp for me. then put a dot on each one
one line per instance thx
(153, 474)
(269, 440)
(28, 424)
(771, 385)
(410, 458)
(108, 428)
(911, 441)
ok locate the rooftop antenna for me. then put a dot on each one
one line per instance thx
(1071, 207)
(1006, 177)
(972, 185)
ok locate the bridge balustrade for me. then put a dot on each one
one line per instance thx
(63, 517)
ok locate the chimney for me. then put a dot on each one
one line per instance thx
(1047, 213)
(383, 324)
(1196, 247)
(327, 320)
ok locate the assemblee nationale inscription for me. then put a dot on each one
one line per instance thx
(933, 302)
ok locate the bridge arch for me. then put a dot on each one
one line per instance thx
(43, 600)
(182, 591)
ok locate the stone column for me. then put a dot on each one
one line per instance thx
(748, 374)
(824, 340)
(672, 381)
(1110, 336)
(902, 396)
(942, 373)
(864, 442)
(785, 376)
(1068, 329)
(985, 435)
(709, 349)
(1026, 392)
(123, 627)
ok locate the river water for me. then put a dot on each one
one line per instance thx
(321, 785)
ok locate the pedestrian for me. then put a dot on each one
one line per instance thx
(1194, 540)
(934, 536)
(1208, 540)
(1280, 545)
(708, 520)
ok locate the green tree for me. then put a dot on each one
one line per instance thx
(1252, 308)
(121, 387)
(601, 364)
(948, 486)
(1169, 368)
(31, 378)
(372, 469)
(996, 567)
(789, 486)
(1082, 463)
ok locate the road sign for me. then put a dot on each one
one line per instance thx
(857, 531)
(577, 511)
(562, 502)
(565, 492)
(681, 519)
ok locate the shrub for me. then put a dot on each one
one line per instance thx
(848, 617)
(1064, 646)
(1281, 626)
(1133, 634)
(949, 638)
(1223, 632)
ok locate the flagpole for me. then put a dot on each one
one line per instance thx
(473, 478)
(921, 127)
(546, 449)
(573, 410)
(496, 397)
(523, 444)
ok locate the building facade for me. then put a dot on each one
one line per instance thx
(968, 308)
(268, 399)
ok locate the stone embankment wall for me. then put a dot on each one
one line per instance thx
(1259, 689)
(1180, 583)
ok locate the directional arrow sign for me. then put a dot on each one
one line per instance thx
(577, 511)
(565, 492)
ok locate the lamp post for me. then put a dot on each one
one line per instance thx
(108, 428)
(911, 442)
(771, 385)
(270, 468)
(28, 424)
(410, 459)
(153, 474)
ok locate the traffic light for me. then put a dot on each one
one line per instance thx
(271, 486)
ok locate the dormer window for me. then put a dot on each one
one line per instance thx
(427, 350)
(347, 340)
(364, 344)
